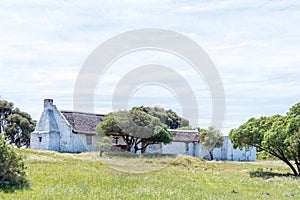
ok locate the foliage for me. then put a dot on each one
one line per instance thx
(12, 168)
(168, 117)
(6, 109)
(262, 155)
(211, 138)
(294, 110)
(16, 124)
(104, 145)
(277, 135)
(137, 129)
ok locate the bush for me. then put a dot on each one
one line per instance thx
(12, 168)
(187, 161)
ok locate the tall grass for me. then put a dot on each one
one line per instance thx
(86, 176)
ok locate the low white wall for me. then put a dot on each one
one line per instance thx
(226, 152)
(36, 144)
(176, 148)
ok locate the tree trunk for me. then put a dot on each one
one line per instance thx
(135, 148)
(283, 158)
(211, 155)
(144, 147)
(101, 152)
(136, 145)
(291, 166)
(128, 147)
(298, 165)
(1, 123)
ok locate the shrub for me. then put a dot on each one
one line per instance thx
(185, 161)
(12, 168)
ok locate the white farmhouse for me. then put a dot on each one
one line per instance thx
(67, 131)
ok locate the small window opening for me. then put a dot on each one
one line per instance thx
(88, 139)
(187, 147)
(116, 138)
(40, 139)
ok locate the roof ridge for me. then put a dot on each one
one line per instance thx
(79, 112)
(184, 131)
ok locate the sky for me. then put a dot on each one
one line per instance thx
(254, 46)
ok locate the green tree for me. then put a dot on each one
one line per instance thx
(294, 110)
(104, 145)
(137, 129)
(293, 140)
(277, 135)
(6, 109)
(167, 117)
(160, 134)
(16, 124)
(211, 138)
(12, 168)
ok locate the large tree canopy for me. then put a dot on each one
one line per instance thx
(168, 117)
(15, 124)
(277, 135)
(211, 138)
(137, 129)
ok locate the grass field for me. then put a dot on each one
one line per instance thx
(87, 176)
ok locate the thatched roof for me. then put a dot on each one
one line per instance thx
(84, 123)
(185, 135)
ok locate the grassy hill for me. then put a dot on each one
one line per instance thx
(87, 176)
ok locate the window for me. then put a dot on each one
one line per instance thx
(40, 139)
(116, 138)
(88, 139)
(187, 147)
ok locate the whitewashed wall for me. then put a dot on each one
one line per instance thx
(175, 148)
(47, 129)
(226, 152)
(57, 133)
(34, 141)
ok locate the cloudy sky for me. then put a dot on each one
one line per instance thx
(255, 46)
